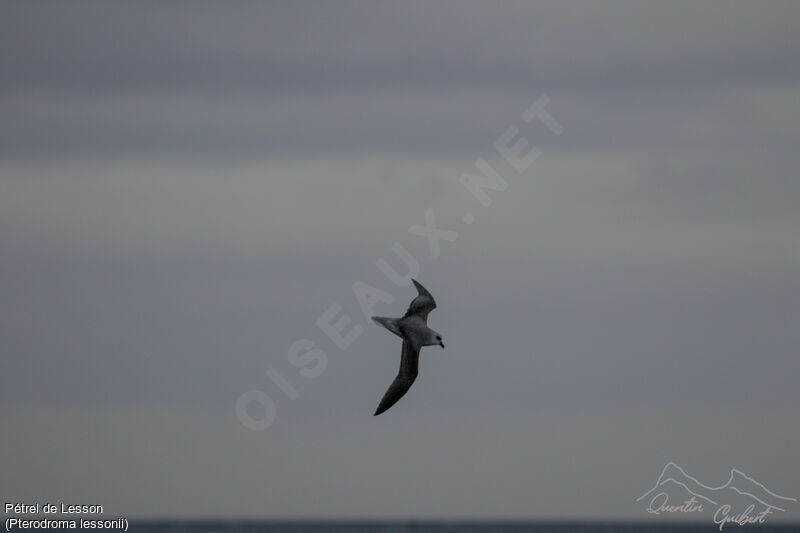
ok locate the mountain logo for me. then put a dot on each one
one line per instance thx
(741, 500)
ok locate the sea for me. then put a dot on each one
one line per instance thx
(447, 527)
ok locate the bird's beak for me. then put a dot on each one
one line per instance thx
(442, 345)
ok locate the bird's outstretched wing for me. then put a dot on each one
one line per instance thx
(422, 304)
(409, 365)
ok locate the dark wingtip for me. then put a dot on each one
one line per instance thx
(420, 289)
(382, 408)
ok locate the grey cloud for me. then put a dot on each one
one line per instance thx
(319, 47)
(314, 78)
(424, 123)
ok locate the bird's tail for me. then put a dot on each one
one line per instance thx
(388, 323)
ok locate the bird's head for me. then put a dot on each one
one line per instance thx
(438, 339)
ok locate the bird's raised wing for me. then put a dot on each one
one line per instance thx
(422, 304)
(409, 365)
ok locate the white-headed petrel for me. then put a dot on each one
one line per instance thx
(413, 329)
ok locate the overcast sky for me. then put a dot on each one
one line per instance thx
(185, 189)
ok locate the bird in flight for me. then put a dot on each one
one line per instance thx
(413, 329)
